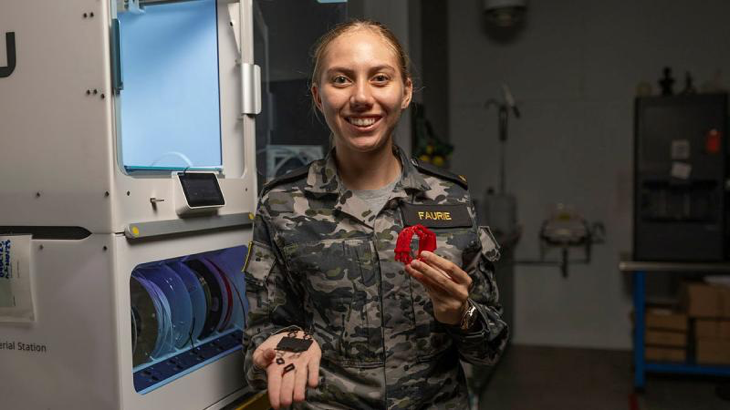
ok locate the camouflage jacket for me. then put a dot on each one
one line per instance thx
(321, 260)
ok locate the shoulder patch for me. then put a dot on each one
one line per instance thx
(440, 172)
(292, 175)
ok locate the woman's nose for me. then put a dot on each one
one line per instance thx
(361, 95)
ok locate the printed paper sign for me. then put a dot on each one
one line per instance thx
(16, 301)
(681, 170)
(680, 150)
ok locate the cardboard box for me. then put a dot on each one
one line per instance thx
(706, 301)
(665, 354)
(713, 351)
(725, 292)
(712, 329)
(666, 319)
(664, 338)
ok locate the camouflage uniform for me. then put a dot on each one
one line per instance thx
(321, 260)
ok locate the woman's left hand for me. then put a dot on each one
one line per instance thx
(446, 283)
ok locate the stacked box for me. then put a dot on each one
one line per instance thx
(713, 352)
(709, 307)
(713, 341)
(712, 329)
(702, 300)
(666, 335)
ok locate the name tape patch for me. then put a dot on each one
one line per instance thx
(437, 216)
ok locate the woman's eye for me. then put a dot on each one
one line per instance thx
(381, 78)
(340, 79)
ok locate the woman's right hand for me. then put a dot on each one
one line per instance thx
(288, 388)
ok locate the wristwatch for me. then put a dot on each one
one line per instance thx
(470, 316)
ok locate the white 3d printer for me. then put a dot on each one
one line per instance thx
(127, 186)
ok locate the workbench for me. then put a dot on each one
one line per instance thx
(638, 271)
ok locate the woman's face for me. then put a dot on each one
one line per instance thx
(360, 90)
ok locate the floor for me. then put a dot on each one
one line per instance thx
(548, 378)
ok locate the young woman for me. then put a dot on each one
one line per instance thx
(322, 274)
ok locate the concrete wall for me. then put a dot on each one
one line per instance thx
(574, 70)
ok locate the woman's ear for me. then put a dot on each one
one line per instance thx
(407, 93)
(316, 97)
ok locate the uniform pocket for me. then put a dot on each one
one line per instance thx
(340, 277)
(458, 245)
(431, 337)
(259, 263)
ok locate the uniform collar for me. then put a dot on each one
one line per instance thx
(324, 179)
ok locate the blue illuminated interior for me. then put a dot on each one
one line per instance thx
(170, 105)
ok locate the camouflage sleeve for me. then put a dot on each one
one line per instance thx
(487, 339)
(274, 303)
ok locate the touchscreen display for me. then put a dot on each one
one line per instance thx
(201, 189)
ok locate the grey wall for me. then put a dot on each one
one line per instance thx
(574, 69)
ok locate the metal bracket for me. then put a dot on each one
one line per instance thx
(250, 89)
(234, 16)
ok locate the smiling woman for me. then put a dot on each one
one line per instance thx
(328, 299)
(361, 84)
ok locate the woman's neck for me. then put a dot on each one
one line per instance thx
(367, 170)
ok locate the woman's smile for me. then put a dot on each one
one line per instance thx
(364, 124)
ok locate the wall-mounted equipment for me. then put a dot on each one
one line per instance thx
(500, 208)
(505, 13)
(504, 108)
(564, 230)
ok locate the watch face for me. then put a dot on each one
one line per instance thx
(469, 317)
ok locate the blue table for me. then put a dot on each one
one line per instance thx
(639, 270)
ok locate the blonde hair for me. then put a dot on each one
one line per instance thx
(320, 47)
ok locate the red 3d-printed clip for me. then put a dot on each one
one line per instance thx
(426, 242)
